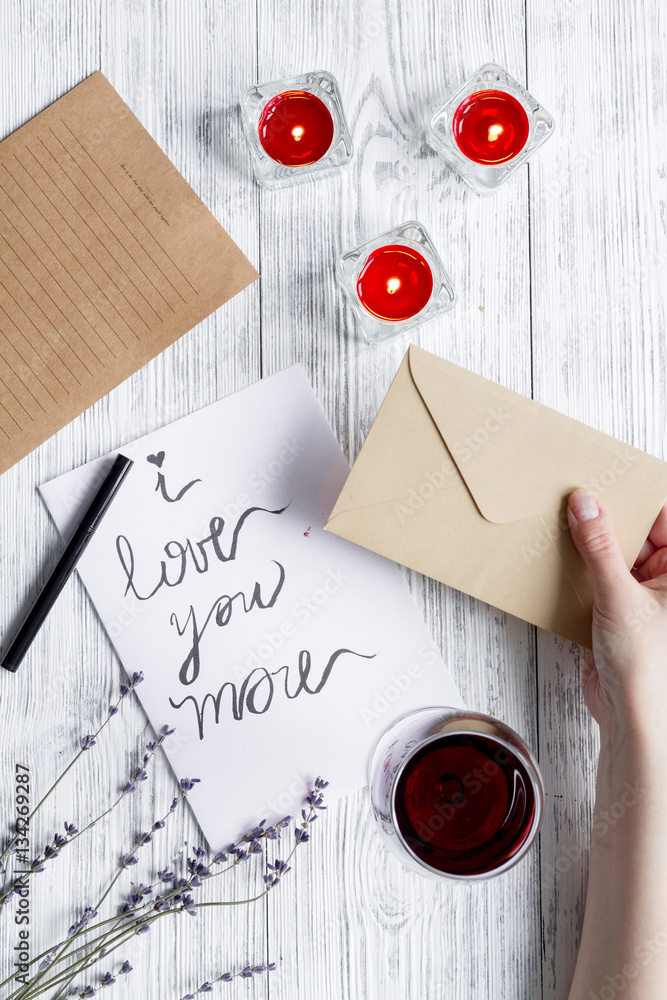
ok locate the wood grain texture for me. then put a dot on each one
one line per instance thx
(598, 256)
(560, 281)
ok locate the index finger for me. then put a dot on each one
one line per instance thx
(658, 533)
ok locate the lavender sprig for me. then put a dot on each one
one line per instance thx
(53, 849)
(181, 899)
(144, 904)
(247, 972)
(86, 744)
(77, 928)
(108, 979)
(127, 861)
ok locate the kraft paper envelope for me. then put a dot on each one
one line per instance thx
(107, 256)
(467, 482)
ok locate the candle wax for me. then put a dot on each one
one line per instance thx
(395, 283)
(296, 128)
(490, 126)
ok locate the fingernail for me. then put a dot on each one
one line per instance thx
(584, 505)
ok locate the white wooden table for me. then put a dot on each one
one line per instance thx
(559, 280)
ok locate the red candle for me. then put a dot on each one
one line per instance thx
(490, 126)
(296, 128)
(395, 283)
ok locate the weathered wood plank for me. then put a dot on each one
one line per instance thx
(180, 70)
(356, 924)
(588, 232)
(599, 248)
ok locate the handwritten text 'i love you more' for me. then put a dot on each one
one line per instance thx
(256, 693)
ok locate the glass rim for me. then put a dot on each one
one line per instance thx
(485, 178)
(450, 108)
(329, 104)
(523, 753)
(426, 253)
(271, 173)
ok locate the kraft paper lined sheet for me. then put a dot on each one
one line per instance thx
(107, 256)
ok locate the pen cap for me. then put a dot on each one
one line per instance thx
(106, 492)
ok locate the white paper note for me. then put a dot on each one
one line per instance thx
(275, 650)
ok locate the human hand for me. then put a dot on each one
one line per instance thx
(625, 674)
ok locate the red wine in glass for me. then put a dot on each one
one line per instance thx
(464, 804)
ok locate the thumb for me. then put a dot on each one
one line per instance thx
(593, 534)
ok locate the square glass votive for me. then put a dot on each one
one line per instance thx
(395, 282)
(295, 127)
(489, 127)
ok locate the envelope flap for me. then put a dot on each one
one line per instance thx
(518, 458)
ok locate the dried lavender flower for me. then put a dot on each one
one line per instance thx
(141, 907)
(187, 784)
(139, 893)
(228, 977)
(164, 732)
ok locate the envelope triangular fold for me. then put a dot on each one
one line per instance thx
(518, 457)
(408, 498)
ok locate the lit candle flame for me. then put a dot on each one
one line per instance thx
(393, 285)
(495, 131)
(297, 132)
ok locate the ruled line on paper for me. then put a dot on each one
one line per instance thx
(68, 249)
(109, 181)
(18, 376)
(40, 334)
(34, 349)
(66, 269)
(11, 417)
(8, 436)
(78, 237)
(13, 394)
(37, 305)
(105, 248)
(120, 219)
(64, 292)
(51, 299)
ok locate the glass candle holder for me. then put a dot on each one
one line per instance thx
(456, 794)
(395, 282)
(489, 128)
(295, 127)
